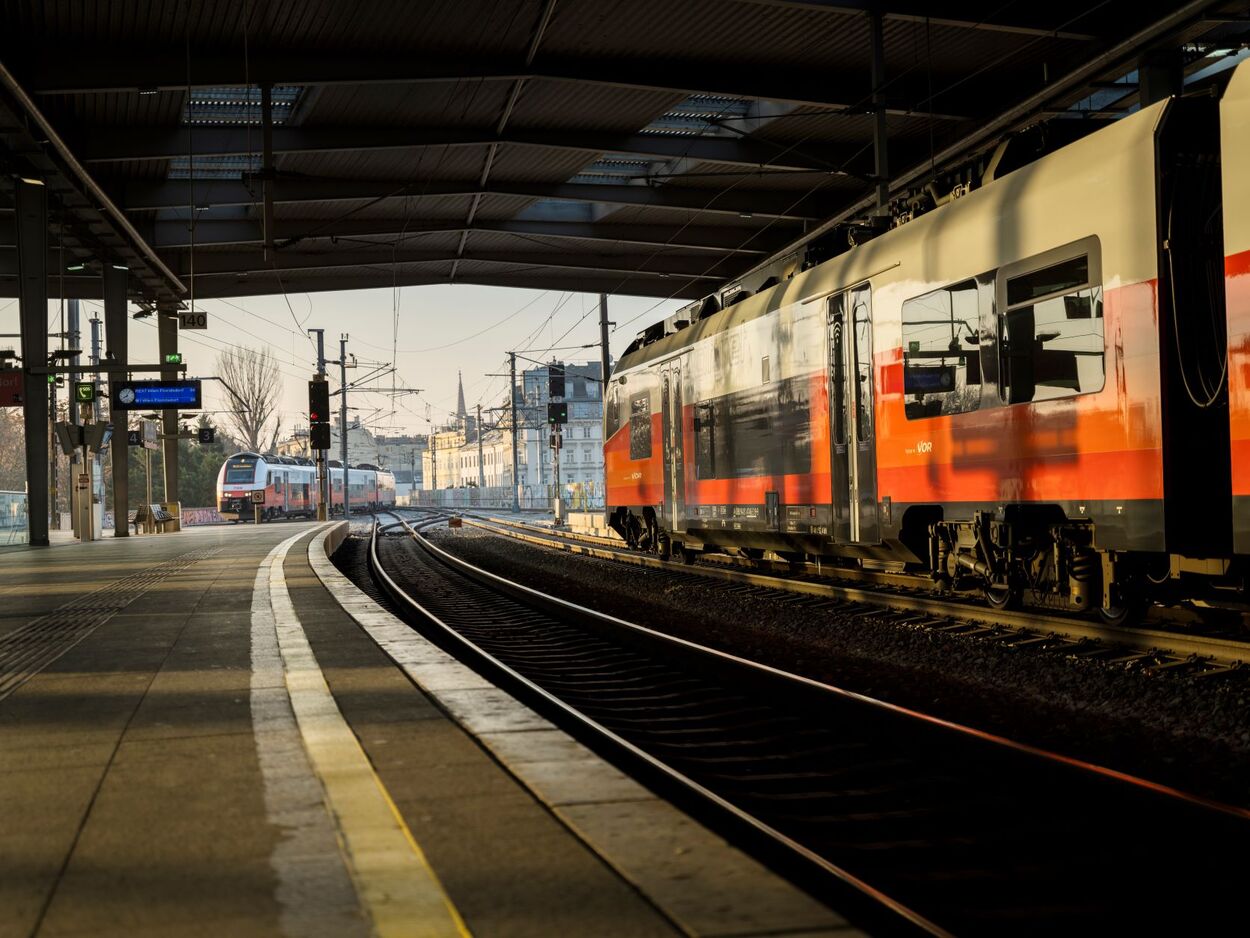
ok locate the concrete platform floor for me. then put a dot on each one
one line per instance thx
(197, 737)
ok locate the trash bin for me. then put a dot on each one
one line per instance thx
(174, 509)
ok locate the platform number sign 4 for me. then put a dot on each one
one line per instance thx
(196, 320)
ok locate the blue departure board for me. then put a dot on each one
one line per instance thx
(156, 395)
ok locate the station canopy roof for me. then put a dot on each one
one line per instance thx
(651, 147)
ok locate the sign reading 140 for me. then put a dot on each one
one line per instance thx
(196, 320)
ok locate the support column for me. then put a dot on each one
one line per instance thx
(31, 203)
(167, 338)
(115, 325)
(516, 470)
(879, 129)
(605, 365)
(347, 511)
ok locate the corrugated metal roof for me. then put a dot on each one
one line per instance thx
(711, 115)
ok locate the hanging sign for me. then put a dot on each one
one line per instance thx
(155, 395)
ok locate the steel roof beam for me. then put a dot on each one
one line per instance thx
(88, 71)
(176, 234)
(174, 194)
(114, 144)
(256, 285)
(998, 17)
(234, 263)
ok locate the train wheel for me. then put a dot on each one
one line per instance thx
(684, 553)
(1002, 596)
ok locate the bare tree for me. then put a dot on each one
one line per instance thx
(254, 387)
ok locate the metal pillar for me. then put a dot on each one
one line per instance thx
(54, 449)
(31, 203)
(605, 359)
(167, 339)
(879, 135)
(516, 471)
(605, 364)
(74, 328)
(343, 424)
(323, 476)
(115, 325)
(481, 466)
(77, 464)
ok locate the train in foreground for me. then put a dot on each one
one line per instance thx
(1039, 390)
(289, 484)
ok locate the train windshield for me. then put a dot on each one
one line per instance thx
(240, 470)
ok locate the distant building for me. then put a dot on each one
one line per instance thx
(581, 455)
(361, 446)
(404, 456)
(456, 458)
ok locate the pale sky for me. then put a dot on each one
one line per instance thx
(442, 328)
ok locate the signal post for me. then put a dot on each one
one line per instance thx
(319, 426)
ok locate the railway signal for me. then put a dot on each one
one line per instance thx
(555, 379)
(557, 413)
(319, 403)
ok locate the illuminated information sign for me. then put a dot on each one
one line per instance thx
(155, 395)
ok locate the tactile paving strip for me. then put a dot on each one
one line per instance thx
(30, 649)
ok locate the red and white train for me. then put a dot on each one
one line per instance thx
(290, 487)
(1039, 390)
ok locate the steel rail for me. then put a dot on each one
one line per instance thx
(401, 596)
(994, 763)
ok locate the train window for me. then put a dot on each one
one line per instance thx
(749, 434)
(614, 409)
(705, 440)
(837, 367)
(766, 372)
(240, 471)
(1052, 339)
(941, 352)
(640, 426)
(862, 319)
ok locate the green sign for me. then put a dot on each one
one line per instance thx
(173, 358)
(84, 391)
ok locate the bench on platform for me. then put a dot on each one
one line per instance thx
(151, 517)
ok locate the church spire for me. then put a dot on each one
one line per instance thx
(462, 412)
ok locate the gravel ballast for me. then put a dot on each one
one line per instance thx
(1192, 733)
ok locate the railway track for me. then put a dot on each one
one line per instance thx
(915, 823)
(1162, 646)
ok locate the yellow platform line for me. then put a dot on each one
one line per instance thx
(394, 880)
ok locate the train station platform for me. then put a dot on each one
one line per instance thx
(213, 732)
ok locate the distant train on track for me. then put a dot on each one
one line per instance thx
(290, 487)
(1039, 390)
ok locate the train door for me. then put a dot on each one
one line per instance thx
(851, 431)
(671, 434)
